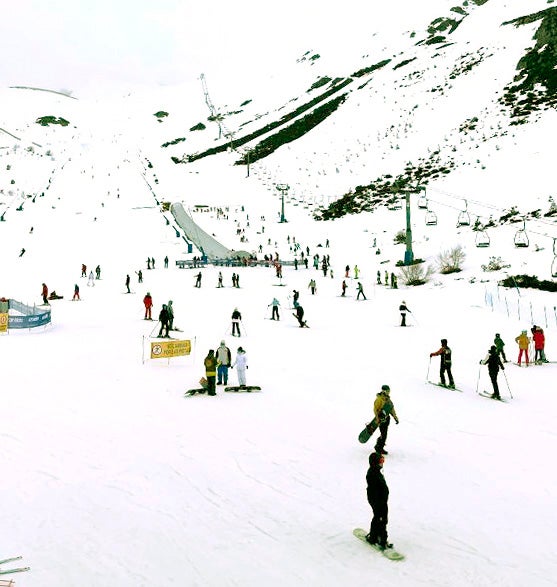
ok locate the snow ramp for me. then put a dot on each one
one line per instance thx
(208, 245)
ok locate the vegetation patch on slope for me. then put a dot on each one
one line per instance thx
(47, 120)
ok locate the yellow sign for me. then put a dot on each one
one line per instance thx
(170, 348)
(4, 322)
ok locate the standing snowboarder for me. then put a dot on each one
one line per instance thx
(163, 319)
(198, 280)
(45, 294)
(383, 408)
(76, 292)
(493, 363)
(128, 283)
(446, 363)
(241, 364)
(403, 309)
(170, 309)
(360, 291)
(91, 279)
(236, 318)
(299, 315)
(377, 497)
(275, 311)
(210, 363)
(224, 359)
(344, 286)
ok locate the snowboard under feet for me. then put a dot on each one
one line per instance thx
(243, 388)
(389, 553)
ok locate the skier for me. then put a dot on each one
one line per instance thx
(499, 345)
(312, 286)
(539, 343)
(166, 262)
(223, 362)
(170, 309)
(347, 271)
(45, 294)
(275, 311)
(378, 277)
(76, 292)
(493, 363)
(210, 363)
(98, 272)
(344, 286)
(198, 280)
(360, 291)
(163, 319)
(377, 497)
(236, 317)
(148, 303)
(523, 341)
(300, 316)
(383, 408)
(403, 309)
(91, 279)
(446, 362)
(128, 283)
(219, 284)
(83, 270)
(356, 272)
(241, 363)
(139, 276)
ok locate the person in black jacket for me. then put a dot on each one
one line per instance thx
(236, 319)
(164, 318)
(493, 362)
(377, 497)
(403, 309)
(446, 363)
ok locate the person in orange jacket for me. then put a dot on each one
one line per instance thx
(523, 341)
(446, 362)
(148, 302)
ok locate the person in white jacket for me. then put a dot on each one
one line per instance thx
(241, 363)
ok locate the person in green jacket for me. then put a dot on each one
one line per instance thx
(500, 346)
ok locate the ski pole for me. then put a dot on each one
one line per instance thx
(428, 366)
(414, 318)
(478, 381)
(507, 382)
(156, 326)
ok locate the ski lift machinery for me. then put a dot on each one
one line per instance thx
(521, 240)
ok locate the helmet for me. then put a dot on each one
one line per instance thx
(385, 389)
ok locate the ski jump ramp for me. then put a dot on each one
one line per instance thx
(208, 245)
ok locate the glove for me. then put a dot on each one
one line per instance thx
(247, 367)
(397, 421)
(232, 366)
(430, 355)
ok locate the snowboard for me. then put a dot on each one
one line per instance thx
(202, 389)
(389, 553)
(304, 323)
(243, 388)
(370, 428)
(445, 386)
(488, 395)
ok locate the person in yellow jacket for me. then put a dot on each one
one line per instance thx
(383, 409)
(211, 371)
(523, 341)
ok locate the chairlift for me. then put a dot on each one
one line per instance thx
(464, 218)
(430, 218)
(422, 202)
(482, 239)
(521, 237)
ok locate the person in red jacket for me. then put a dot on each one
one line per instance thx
(446, 363)
(148, 302)
(45, 294)
(539, 344)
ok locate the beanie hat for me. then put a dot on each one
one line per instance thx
(375, 459)
(443, 341)
(385, 389)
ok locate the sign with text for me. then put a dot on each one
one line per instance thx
(170, 348)
(4, 322)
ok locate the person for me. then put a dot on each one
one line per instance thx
(76, 292)
(403, 309)
(539, 343)
(83, 270)
(211, 371)
(219, 284)
(499, 345)
(148, 303)
(523, 341)
(236, 317)
(163, 319)
(275, 311)
(446, 363)
(344, 286)
(170, 309)
(128, 282)
(198, 280)
(98, 271)
(383, 408)
(166, 262)
(360, 291)
(295, 297)
(300, 316)
(241, 363)
(378, 277)
(493, 362)
(91, 279)
(139, 276)
(347, 271)
(223, 362)
(45, 294)
(356, 272)
(312, 286)
(377, 497)
(22, 252)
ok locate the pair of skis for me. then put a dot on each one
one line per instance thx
(16, 570)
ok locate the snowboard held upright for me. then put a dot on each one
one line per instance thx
(370, 428)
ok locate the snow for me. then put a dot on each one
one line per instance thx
(110, 476)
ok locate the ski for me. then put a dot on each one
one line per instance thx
(9, 560)
(18, 570)
(389, 553)
(243, 388)
(444, 386)
(488, 395)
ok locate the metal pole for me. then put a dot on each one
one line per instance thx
(408, 254)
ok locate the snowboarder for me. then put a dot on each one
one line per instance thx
(312, 286)
(446, 363)
(210, 363)
(198, 280)
(236, 318)
(378, 277)
(523, 341)
(98, 272)
(163, 319)
(83, 270)
(170, 309)
(166, 262)
(499, 345)
(300, 316)
(22, 252)
(403, 309)
(76, 292)
(344, 286)
(45, 294)
(356, 272)
(347, 271)
(493, 362)
(224, 359)
(241, 363)
(377, 497)
(295, 297)
(383, 409)
(139, 276)
(91, 279)
(360, 291)
(148, 303)
(275, 311)
(219, 284)
(128, 283)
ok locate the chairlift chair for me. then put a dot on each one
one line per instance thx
(430, 218)
(422, 202)
(464, 218)
(482, 239)
(521, 238)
